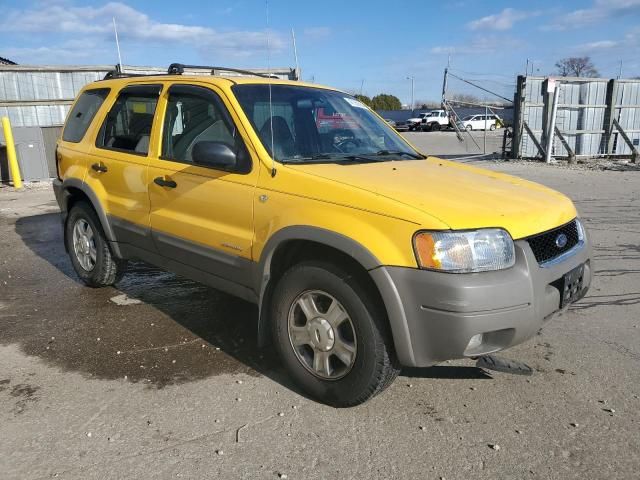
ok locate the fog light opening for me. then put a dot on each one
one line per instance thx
(474, 342)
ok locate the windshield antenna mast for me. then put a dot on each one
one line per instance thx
(273, 153)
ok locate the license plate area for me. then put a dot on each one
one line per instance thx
(571, 285)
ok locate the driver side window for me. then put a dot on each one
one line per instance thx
(194, 114)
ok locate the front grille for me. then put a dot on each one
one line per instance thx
(544, 244)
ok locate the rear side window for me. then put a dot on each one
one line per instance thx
(82, 114)
(127, 126)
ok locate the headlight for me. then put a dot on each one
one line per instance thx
(462, 252)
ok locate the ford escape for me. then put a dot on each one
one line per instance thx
(363, 254)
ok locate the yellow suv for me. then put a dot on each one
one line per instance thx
(362, 254)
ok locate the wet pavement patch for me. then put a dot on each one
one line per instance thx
(179, 331)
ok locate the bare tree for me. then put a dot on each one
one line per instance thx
(577, 67)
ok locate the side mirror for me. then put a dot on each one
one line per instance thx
(214, 154)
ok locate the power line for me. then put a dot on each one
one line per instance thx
(481, 88)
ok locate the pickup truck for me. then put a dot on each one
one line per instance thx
(434, 121)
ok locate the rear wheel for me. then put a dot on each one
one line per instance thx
(492, 127)
(435, 127)
(89, 249)
(469, 127)
(331, 334)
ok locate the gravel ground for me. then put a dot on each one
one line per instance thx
(172, 385)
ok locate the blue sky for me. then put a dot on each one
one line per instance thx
(340, 43)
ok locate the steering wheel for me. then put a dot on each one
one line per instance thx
(341, 145)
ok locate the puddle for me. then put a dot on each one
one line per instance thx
(181, 331)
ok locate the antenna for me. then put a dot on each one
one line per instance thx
(115, 29)
(273, 153)
(295, 54)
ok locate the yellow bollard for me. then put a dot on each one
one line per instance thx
(11, 153)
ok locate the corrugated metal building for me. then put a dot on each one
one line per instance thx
(39, 97)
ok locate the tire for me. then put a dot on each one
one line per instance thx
(435, 127)
(469, 127)
(373, 365)
(101, 269)
(492, 127)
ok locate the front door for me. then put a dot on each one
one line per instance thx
(202, 216)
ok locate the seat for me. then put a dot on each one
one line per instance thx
(284, 145)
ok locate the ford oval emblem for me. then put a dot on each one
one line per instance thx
(561, 240)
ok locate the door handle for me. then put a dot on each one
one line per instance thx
(165, 183)
(99, 167)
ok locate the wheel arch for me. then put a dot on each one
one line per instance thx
(75, 190)
(297, 243)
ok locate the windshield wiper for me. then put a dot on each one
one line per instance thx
(333, 158)
(400, 152)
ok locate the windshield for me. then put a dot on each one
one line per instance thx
(469, 117)
(312, 125)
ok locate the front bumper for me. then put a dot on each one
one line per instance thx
(434, 315)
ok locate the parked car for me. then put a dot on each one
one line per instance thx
(415, 123)
(397, 126)
(480, 122)
(435, 120)
(362, 254)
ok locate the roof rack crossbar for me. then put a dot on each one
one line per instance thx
(179, 68)
(118, 73)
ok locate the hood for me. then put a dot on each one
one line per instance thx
(461, 196)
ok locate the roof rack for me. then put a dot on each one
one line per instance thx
(118, 73)
(179, 68)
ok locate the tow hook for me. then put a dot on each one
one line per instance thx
(493, 362)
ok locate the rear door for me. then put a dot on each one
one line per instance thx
(119, 160)
(202, 216)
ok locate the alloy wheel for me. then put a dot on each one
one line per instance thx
(322, 335)
(84, 245)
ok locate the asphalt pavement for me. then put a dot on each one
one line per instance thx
(161, 377)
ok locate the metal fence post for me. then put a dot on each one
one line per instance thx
(552, 120)
(610, 116)
(518, 118)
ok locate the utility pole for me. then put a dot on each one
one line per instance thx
(526, 69)
(361, 86)
(412, 80)
(444, 85)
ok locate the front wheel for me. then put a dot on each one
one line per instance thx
(89, 249)
(331, 334)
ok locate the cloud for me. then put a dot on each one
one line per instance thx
(134, 25)
(500, 21)
(315, 33)
(599, 45)
(481, 44)
(599, 11)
